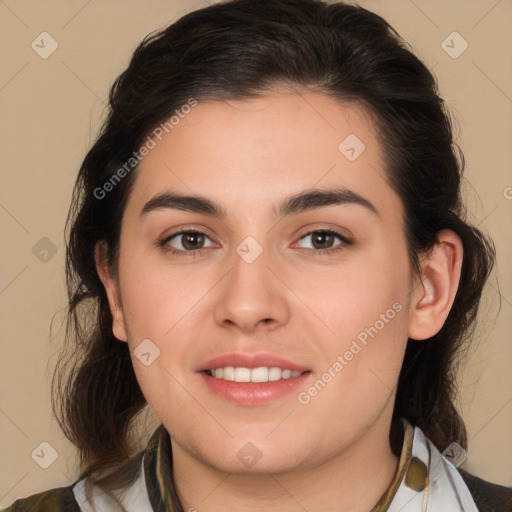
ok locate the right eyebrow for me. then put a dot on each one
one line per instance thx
(196, 204)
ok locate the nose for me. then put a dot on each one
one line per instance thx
(251, 297)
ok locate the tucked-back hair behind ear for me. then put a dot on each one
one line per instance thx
(236, 50)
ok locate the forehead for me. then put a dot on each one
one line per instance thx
(252, 152)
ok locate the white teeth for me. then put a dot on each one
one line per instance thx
(261, 374)
(228, 373)
(242, 375)
(274, 374)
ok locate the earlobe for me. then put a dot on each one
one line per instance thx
(112, 290)
(436, 287)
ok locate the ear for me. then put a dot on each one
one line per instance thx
(112, 289)
(435, 289)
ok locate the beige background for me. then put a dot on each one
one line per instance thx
(51, 110)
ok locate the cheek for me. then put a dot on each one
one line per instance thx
(358, 295)
(157, 310)
(361, 361)
(365, 309)
(155, 300)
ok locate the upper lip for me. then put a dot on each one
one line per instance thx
(251, 361)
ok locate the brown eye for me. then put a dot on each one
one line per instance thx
(186, 241)
(321, 241)
(192, 241)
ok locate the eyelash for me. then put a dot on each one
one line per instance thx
(344, 242)
(178, 252)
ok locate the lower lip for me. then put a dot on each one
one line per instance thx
(253, 393)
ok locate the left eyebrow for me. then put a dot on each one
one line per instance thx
(313, 199)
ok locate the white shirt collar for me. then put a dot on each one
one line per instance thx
(444, 488)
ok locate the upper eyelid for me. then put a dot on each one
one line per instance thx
(167, 239)
(343, 239)
(324, 230)
(193, 230)
(186, 230)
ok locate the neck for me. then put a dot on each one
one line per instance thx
(354, 479)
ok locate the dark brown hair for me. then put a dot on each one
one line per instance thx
(241, 49)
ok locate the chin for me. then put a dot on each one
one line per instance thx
(242, 456)
(256, 463)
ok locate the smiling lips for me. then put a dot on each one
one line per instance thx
(252, 379)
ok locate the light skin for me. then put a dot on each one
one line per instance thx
(249, 156)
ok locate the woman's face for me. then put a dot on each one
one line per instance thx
(272, 275)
